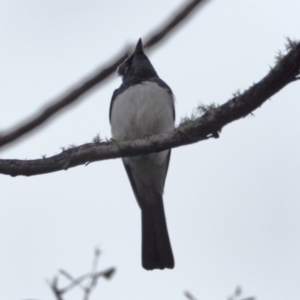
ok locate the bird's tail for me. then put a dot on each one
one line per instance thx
(156, 247)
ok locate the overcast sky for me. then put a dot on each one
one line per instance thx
(232, 204)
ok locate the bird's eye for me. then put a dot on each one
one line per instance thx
(126, 70)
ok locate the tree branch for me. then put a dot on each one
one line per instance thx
(191, 131)
(71, 96)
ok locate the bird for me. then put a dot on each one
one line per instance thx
(143, 106)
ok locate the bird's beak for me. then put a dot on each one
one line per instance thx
(139, 47)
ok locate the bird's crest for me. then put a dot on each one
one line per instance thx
(137, 65)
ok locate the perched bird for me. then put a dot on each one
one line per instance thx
(141, 106)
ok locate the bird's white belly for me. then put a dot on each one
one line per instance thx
(142, 109)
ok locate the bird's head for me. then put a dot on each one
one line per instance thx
(137, 65)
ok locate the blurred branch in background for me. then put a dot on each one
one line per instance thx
(236, 295)
(189, 296)
(88, 282)
(93, 80)
(91, 279)
(206, 123)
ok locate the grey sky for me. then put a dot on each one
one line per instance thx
(232, 204)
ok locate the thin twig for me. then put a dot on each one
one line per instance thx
(55, 289)
(74, 281)
(189, 296)
(94, 276)
(93, 80)
(236, 296)
(107, 274)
